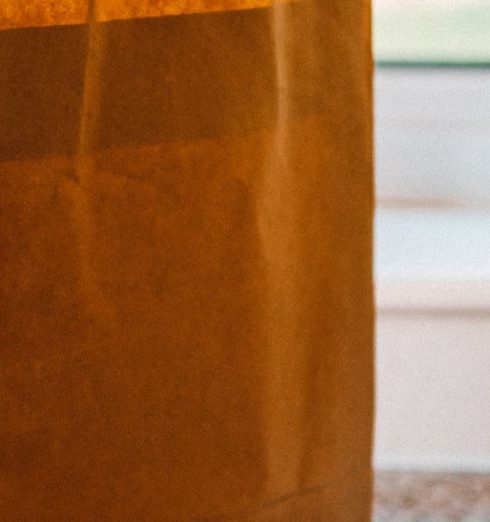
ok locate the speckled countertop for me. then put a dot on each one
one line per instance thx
(432, 497)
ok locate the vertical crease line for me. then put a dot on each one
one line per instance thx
(84, 167)
(279, 26)
(276, 217)
(91, 95)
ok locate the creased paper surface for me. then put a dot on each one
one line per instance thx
(186, 312)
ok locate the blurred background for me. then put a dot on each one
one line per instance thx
(432, 118)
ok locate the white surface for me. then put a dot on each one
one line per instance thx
(433, 339)
(433, 270)
(432, 243)
(433, 393)
(433, 136)
(433, 259)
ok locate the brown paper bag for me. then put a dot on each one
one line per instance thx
(186, 301)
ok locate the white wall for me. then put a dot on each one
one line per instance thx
(433, 271)
(432, 136)
(433, 395)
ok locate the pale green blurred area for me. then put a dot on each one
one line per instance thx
(432, 31)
